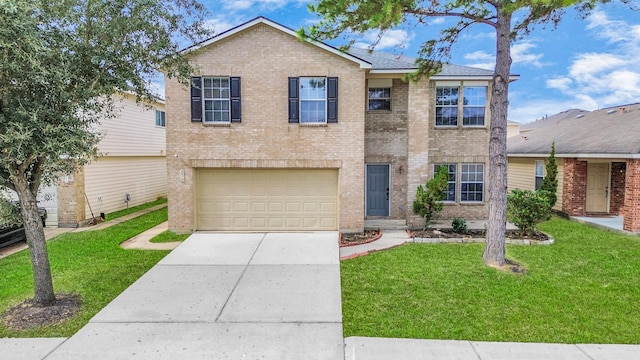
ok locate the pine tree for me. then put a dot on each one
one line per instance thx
(550, 182)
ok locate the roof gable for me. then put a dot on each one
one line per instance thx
(262, 20)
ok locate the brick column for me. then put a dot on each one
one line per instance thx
(616, 205)
(574, 195)
(632, 196)
(71, 200)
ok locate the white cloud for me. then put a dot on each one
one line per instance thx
(437, 21)
(520, 54)
(560, 83)
(605, 78)
(389, 39)
(219, 24)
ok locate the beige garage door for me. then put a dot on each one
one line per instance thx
(267, 199)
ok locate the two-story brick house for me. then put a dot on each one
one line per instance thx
(278, 134)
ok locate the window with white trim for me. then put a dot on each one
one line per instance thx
(450, 193)
(217, 103)
(313, 100)
(380, 98)
(471, 182)
(474, 104)
(466, 100)
(447, 105)
(160, 118)
(539, 173)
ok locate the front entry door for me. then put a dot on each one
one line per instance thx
(597, 187)
(377, 190)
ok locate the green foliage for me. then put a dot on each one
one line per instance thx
(549, 186)
(9, 212)
(437, 291)
(62, 65)
(89, 263)
(428, 200)
(169, 236)
(526, 209)
(459, 225)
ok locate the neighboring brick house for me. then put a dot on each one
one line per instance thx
(598, 157)
(130, 170)
(280, 134)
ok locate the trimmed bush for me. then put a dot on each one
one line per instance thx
(459, 225)
(428, 200)
(526, 209)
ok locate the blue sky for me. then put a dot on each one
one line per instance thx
(587, 64)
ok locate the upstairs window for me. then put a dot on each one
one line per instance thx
(215, 99)
(160, 118)
(379, 98)
(539, 173)
(313, 100)
(217, 104)
(447, 105)
(474, 104)
(461, 101)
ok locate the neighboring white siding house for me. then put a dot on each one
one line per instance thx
(130, 170)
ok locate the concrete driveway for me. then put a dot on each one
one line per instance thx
(226, 296)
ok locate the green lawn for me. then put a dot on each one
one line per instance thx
(131, 210)
(169, 236)
(583, 289)
(89, 263)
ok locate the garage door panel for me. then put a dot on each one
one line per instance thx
(267, 199)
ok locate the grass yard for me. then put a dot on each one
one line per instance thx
(169, 236)
(131, 210)
(90, 263)
(583, 289)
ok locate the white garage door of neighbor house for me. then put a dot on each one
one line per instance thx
(267, 199)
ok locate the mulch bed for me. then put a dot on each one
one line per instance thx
(359, 238)
(449, 233)
(27, 315)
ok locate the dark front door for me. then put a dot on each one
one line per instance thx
(377, 190)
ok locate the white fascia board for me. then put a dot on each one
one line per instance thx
(580, 156)
(392, 71)
(261, 20)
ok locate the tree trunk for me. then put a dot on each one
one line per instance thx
(494, 252)
(43, 284)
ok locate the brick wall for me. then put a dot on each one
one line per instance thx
(386, 143)
(71, 200)
(459, 145)
(574, 196)
(616, 202)
(264, 58)
(632, 196)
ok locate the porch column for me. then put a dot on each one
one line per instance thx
(632, 196)
(574, 194)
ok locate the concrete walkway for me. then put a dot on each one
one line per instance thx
(224, 296)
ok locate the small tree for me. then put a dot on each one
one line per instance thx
(428, 200)
(526, 209)
(549, 187)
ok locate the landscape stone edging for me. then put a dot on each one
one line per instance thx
(469, 240)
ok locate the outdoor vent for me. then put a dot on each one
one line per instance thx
(611, 111)
(579, 116)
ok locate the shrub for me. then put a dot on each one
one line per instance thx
(550, 182)
(428, 200)
(459, 225)
(526, 209)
